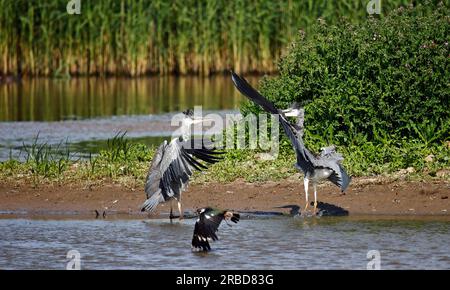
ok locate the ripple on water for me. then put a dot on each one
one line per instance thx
(275, 243)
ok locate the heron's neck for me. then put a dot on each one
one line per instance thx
(186, 130)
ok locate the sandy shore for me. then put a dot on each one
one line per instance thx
(364, 197)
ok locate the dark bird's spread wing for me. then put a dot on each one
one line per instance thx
(205, 229)
(232, 216)
(171, 168)
(304, 157)
(207, 226)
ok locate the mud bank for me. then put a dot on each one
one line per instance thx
(364, 197)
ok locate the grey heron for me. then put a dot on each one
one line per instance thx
(327, 165)
(173, 164)
(207, 225)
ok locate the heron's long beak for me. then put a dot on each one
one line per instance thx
(198, 120)
(290, 113)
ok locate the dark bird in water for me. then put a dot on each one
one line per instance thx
(327, 165)
(174, 163)
(207, 225)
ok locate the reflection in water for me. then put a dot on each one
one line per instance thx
(87, 111)
(84, 148)
(86, 136)
(55, 100)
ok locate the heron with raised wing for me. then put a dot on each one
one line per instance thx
(174, 163)
(326, 166)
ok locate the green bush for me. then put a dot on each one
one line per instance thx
(382, 80)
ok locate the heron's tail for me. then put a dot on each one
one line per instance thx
(151, 203)
(345, 179)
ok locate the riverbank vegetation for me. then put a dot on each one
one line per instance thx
(127, 163)
(132, 38)
(378, 90)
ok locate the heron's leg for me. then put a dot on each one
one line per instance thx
(306, 182)
(171, 210)
(180, 209)
(315, 197)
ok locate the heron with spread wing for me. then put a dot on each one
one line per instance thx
(173, 164)
(326, 166)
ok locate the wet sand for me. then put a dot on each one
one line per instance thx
(365, 196)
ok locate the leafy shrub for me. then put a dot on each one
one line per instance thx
(385, 79)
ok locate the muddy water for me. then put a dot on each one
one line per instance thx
(269, 243)
(87, 111)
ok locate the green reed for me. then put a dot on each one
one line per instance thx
(137, 37)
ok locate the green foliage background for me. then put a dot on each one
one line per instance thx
(379, 89)
(136, 37)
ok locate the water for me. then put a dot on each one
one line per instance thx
(86, 136)
(269, 243)
(51, 100)
(87, 111)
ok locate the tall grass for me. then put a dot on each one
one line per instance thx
(46, 160)
(137, 37)
(127, 162)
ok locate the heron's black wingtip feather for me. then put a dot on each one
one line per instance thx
(247, 90)
(235, 78)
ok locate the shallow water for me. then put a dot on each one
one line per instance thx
(87, 111)
(269, 243)
(86, 136)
